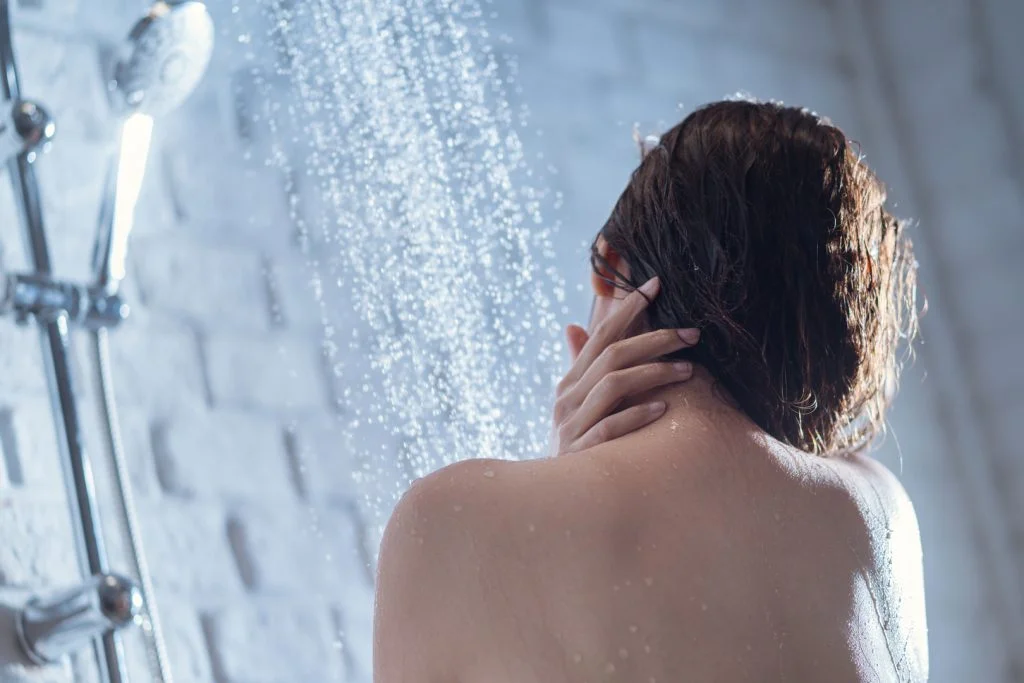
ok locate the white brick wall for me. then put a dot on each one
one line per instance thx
(258, 511)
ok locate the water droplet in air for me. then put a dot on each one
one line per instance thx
(489, 474)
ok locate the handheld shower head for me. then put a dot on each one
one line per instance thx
(163, 59)
(160, 64)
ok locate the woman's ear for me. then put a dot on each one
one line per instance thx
(604, 269)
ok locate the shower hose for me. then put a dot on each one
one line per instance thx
(156, 651)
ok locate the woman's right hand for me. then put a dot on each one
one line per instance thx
(607, 369)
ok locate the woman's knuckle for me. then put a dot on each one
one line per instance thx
(610, 356)
(562, 408)
(611, 383)
(564, 434)
(617, 352)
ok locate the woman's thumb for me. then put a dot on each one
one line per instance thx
(577, 338)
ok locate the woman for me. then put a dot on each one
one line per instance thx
(710, 518)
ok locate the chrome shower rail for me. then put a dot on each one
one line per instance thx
(176, 34)
(57, 353)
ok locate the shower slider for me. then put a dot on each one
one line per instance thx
(32, 295)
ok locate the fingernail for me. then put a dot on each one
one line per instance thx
(656, 407)
(690, 335)
(649, 286)
(683, 368)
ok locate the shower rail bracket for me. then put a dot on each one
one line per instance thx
(42, 297)
(52, 627)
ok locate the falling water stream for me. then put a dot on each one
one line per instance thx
(420, 222)
(429, 258)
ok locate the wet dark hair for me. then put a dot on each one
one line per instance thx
(769, 233)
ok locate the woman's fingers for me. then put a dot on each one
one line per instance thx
(633, 351)
(613, 328)
(620, 424)
(611, 389)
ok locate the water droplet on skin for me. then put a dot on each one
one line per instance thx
(628, 582)
(643, 493)
(703, 607)
(623, 653)
(647, 649)
(674, 425)
(632, 629)
(531, 528)
(457, 508)
(651, 680)
(489, 474)
(577, 658)
(609, 668)
(649, 581)
(420, 540)
(615, 587)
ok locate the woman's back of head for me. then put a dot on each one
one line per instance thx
(769, 233)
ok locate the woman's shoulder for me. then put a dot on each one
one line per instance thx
(865, 505)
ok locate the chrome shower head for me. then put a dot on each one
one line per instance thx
(163, 59)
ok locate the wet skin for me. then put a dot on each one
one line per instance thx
(696, 548)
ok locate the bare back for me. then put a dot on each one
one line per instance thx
(668, 558)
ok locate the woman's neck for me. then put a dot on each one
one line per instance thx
(699, 401)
